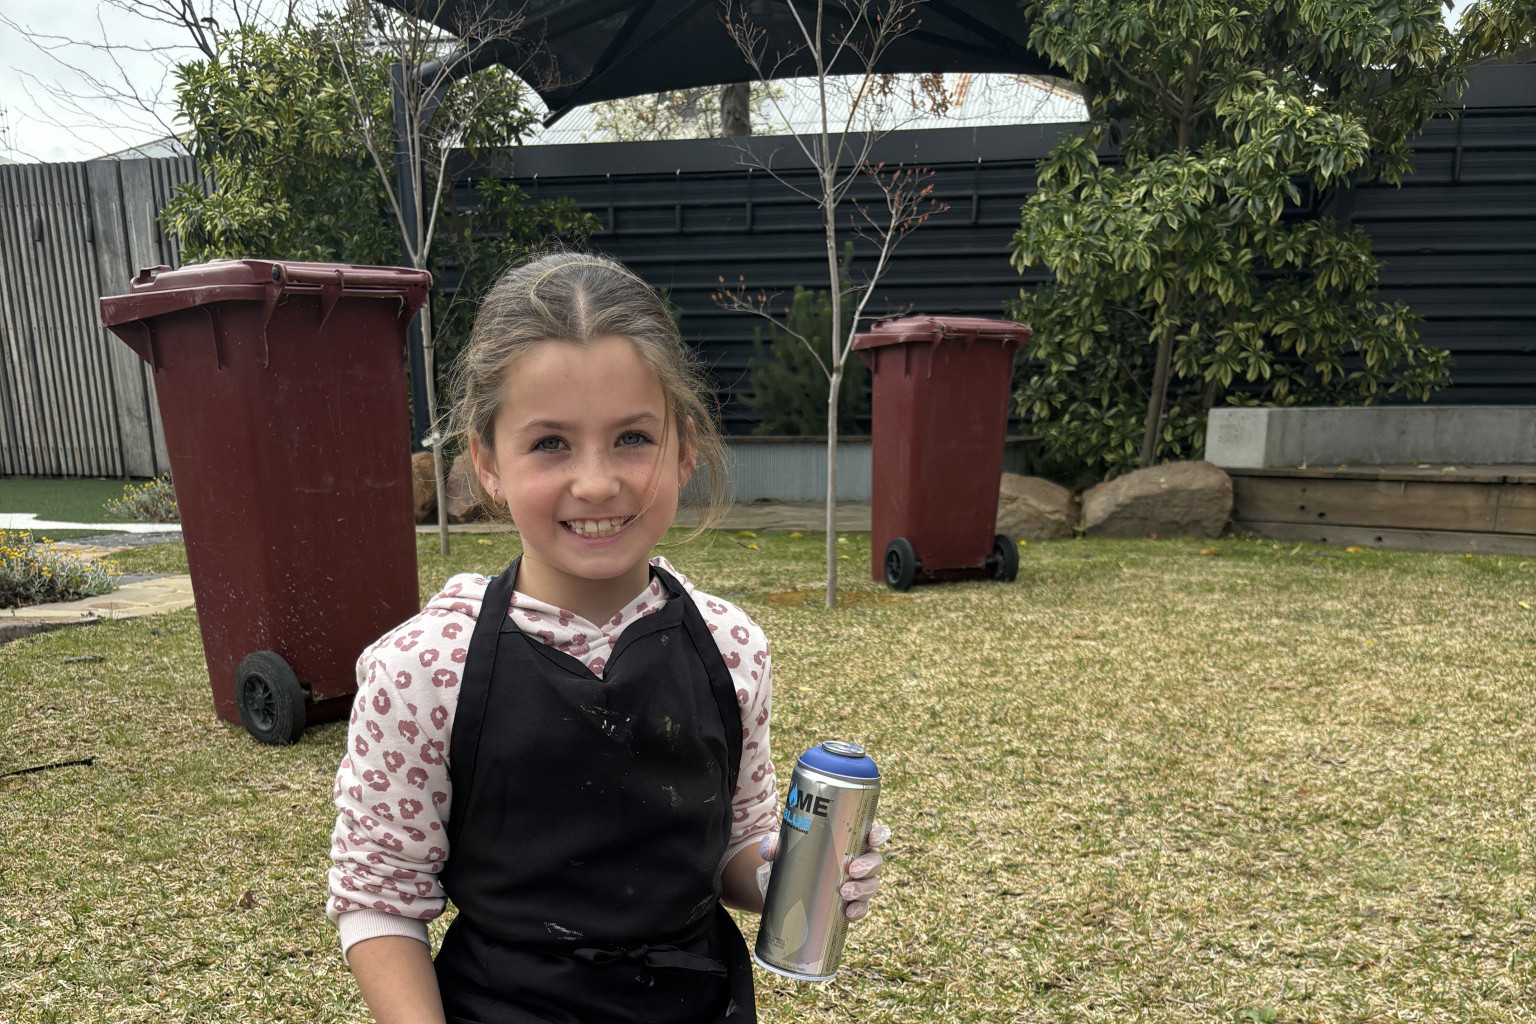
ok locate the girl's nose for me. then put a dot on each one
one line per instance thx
(596, 479)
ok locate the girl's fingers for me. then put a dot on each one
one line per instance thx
(878, 834)
(769, 848)
(858, 889)
(865, 866)
(855, 911)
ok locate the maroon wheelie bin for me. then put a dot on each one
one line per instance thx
(282, 392)
(941, 391)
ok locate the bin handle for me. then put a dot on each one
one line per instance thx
(274, 292)
(330, 294)
(213, 335)
(144, 344)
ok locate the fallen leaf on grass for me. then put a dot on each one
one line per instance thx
(745, 535)
(1209, 551)
(1354, 549)
(1524, 604)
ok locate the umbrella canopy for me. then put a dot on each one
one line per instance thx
(575, 52)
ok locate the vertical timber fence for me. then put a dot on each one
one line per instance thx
(75, 401)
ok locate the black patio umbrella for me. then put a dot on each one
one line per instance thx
(576, 52)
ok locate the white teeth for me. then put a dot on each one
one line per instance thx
(597, 527)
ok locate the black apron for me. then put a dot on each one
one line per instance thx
(588, 821)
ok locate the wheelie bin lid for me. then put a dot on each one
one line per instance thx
(909, 330)
(160, 290)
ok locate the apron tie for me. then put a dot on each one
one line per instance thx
(653, 956)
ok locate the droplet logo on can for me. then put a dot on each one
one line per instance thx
(827, 815)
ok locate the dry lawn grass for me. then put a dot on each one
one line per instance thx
(1141, 783)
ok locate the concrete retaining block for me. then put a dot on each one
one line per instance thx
(1391, 435)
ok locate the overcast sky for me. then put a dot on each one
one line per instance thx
(53, 106)
(40, 121)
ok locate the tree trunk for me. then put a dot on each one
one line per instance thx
(429, 362)
(1158, 397)
(828, 175)
(736, 109)
(1159, 393)
(834, 384)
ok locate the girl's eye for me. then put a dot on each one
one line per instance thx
(547, 444)
(633, 439)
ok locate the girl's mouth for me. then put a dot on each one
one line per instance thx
(594, 529)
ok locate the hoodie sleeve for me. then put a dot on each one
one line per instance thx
(743, 645)
(392, 790)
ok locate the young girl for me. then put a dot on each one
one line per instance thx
(576, 750)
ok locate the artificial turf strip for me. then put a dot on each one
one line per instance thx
(77, 500)
(1139, 783)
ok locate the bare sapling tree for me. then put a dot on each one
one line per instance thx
(855, 111)
(440, 105)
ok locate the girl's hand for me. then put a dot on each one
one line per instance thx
(863, 871)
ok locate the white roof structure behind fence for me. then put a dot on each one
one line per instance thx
(794, 108)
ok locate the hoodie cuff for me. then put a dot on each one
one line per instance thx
(357, 925)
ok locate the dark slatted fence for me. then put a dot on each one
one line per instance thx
(1458, 238)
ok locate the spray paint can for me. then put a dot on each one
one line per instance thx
(827, 816)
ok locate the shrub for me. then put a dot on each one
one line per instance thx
(789, 384)
(153, 501)
(34, 571)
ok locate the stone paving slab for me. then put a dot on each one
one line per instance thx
(131, 600)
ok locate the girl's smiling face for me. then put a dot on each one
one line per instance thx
(588, 461)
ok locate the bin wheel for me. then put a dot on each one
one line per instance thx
(1004, 561)
(901, 564)
(270, 698)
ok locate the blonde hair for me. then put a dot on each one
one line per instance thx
(580, 297)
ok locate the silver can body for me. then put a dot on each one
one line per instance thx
(826, 822)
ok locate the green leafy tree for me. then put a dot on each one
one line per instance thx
(789, 374)
(271, 126)
(1194, 272)
(1498, 31)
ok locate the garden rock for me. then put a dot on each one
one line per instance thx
(459, 492)
(423, 485)
(1181, 499)
(1031, 508)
